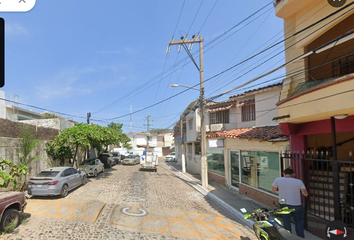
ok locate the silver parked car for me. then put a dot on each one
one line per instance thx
(91, 167)
(131, 159)
(56, 181)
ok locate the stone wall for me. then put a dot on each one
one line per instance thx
(11, 129)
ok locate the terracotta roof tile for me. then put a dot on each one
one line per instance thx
(260, 133)
(264, 134)
(234, 133)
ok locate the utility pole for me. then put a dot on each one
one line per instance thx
(184, 42)
(88, 117)
(148, 132)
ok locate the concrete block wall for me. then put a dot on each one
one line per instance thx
(259, 196)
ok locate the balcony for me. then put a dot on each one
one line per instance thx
(287, 8)
(319, 100)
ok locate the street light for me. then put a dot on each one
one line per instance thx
(204, 167)
(180, 85)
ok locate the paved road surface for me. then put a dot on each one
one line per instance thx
(126, 203)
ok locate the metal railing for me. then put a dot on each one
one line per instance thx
(321, 174)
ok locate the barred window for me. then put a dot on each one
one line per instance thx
(219, 117)
(249, 112)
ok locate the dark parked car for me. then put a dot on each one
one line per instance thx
(107, 159)
(11, 204)
(117, 157)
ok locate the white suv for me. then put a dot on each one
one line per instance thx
(170, 157)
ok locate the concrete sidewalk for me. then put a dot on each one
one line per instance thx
(226, 197)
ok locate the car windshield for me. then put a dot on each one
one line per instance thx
(131, 156)
(172, 153)
(47, 174)
(88, 162)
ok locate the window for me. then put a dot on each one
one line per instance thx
(189, 148)
(67, 172)
(343, 66)
(197, 148)
(215, 159)
(190, 124)
(259, 169)
(219, 117)
(249, 112)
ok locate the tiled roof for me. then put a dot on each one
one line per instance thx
(257, 89)
(264, 134)
(220, 108)
(234, 133)
(267, 133)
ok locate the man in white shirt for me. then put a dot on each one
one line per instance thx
(291, 189)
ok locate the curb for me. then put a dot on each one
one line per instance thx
(206, 193)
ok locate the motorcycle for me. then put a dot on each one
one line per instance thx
(267, 226)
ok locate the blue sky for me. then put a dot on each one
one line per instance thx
(81, 56)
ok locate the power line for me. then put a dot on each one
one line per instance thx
(151, 83)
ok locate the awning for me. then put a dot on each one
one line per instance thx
(221, 108)
(246, 102)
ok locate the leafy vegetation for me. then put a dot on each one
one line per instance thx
(15, 173)
(28, 142)
(117, 126)
(81, 137)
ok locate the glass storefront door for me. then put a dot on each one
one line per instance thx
(235, 168)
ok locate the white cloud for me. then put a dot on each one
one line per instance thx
(64, 85)
(15, 30)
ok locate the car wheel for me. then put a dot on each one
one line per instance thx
(84, 180)
(9, 216)
(110, 165)
(95, 173)
(64, 191)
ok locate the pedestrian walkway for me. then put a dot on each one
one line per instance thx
(226, 197)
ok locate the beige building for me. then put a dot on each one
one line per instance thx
(316, 107)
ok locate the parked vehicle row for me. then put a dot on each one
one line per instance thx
(60, 180)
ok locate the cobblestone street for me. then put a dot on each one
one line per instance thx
(125, 203)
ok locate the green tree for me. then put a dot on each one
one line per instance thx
(28, 142)
(117, 126)
(80, 138)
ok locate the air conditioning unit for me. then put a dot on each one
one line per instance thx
(217, 127)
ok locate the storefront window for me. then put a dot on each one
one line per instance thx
(259, 169)
(215, 161)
